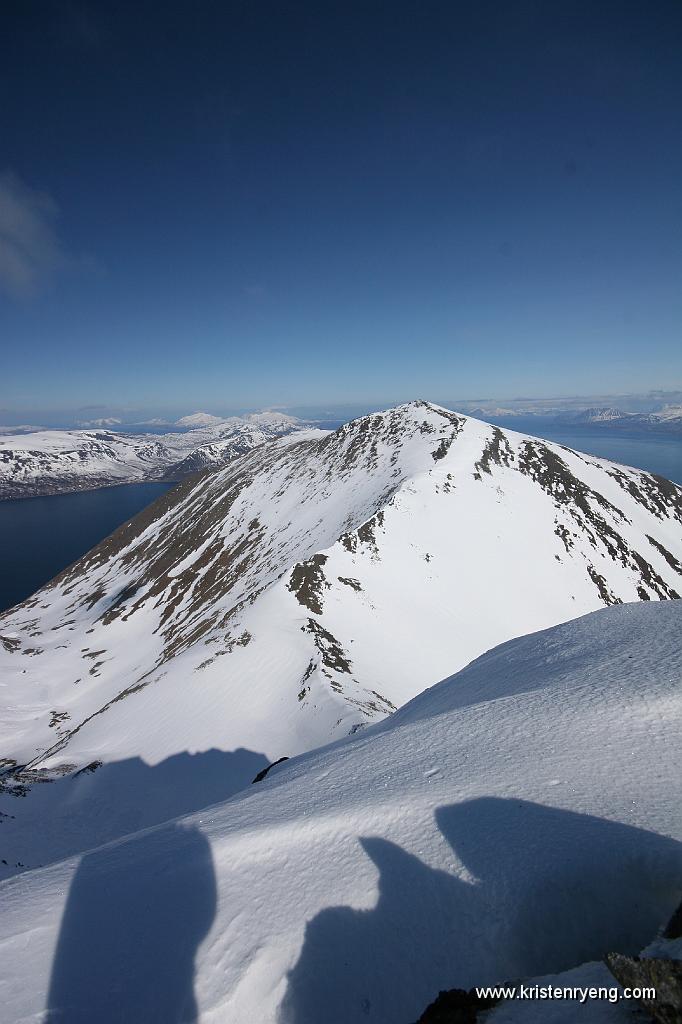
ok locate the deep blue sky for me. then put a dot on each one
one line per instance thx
(217, 205)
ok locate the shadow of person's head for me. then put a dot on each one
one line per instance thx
(562, 888)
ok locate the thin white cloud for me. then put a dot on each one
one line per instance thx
(30, 251)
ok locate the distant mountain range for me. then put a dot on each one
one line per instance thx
(667, 420)
(36, 461)
(58, 461)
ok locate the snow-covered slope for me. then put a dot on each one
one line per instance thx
(516, 820)
(57, 461)
(315, 584)
(311, 587)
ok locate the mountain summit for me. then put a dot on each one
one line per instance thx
(315, 584)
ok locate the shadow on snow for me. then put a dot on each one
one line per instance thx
(138, 909)
(60, 819)
(134, 918)
(551, 889)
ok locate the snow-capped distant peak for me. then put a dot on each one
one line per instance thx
(199, 419)
(104, 421)
(19, 428)
(670, 412)
(272, 419)
(601, 415)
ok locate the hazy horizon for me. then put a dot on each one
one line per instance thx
(166, 416)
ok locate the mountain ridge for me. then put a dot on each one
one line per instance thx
(254, 604)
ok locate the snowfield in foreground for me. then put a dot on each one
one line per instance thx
(516, 820)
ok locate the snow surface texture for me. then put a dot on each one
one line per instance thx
(58, 461)
(514, 821)
(306, 590)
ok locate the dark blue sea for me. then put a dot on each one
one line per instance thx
(41, 536)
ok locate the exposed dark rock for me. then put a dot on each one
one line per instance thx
(89, 769)
(497, 450)
(673, 562)
(590, 510)
(654, 492)
(607, 596)
(307, 582)
(18, 781)
(312, 665)
(56, 718)
(264, 771)
(673, 929)
(565, 534)
(334, 657)
(367, 532)
(456, 1006)
(664, 976)
(350, 582)
(350, 542)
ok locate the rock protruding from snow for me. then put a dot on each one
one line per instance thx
(662, 976)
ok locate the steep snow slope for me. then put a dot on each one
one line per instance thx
(316, 584)
(56, 461)
(516, 820)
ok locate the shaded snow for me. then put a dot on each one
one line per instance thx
(517, 820)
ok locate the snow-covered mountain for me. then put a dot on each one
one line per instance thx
(102, 421)
(198, 419)
(669, 418)
(603, 414)
(666, 419)
(516, 821)
(57, 461)
(317, 583)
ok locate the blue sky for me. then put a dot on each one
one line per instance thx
(224, 205)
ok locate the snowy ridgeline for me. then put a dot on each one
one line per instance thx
(518, 820)
(313, 586)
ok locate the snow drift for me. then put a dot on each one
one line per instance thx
(518, 819)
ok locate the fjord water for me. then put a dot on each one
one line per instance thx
(41, 536)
